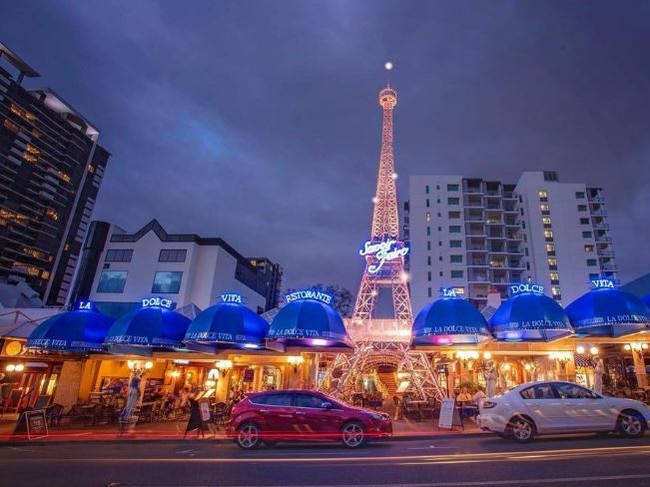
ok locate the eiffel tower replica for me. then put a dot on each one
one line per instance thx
(383, 344)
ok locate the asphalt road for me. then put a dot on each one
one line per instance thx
(575, 461)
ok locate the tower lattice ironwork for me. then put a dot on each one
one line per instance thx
(384, 252)
(383, 342)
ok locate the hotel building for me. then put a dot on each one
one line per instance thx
(477, 235)
(51, 168)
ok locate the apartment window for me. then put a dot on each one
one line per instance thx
(439, 243)
(542, 194)
(437, 186)
(592, 262)
(457, 274)
(544, 208)
(429, 292)
(587, 235)
(439, 214)
(171, 255)
(428, 260)
(550, 176)
(441, 274)
(556, 292)
(456, 259)
(118, 255)
(454, 228)
(440, 229)
(548, 234)
(453, 201)
(555, 278)
(580, 195)
(526, 251)
(594, 276)
(440, 258)
(167, 282)
(428, 230)
(452, 187)
(523, 225)
(582, 207)
(550, 247)
(584, 221)
(589, 248)
(426, 189)
(454, 244)
(111, 282)
(521, 211)
(546, 220)
(454, 215)
(429, 276)
(427, 217)
(429, 245)
(438, 201)
(428, 203)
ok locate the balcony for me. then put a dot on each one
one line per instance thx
(603, 239)
(477, 263)
(601, 226)
(605, 252)
(477, 250)
(596, 199)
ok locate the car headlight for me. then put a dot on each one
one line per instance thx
(488, 404)
(377, 416)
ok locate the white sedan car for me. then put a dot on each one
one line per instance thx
(539, 408)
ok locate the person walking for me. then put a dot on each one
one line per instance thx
(195, 422)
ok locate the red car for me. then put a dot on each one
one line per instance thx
(297, 415)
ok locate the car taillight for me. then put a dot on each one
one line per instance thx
(488, 404)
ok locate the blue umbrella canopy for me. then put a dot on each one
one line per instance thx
(82, 330)
(309, 321)
(449, 321)
(227, 325)
(607, 311)
(530, 316)
(646, 300)
(154, 325)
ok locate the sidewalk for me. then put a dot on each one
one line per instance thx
(169, 430)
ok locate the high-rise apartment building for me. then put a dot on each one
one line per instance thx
(477, 235)
(51, 168)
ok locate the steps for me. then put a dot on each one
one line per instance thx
(389, 380)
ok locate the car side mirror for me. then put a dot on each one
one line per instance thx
(326, 405)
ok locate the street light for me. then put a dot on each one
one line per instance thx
(295, 360)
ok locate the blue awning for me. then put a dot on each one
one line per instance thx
(148, 327)
(608, 312)
(309, 322)
(449, 321)
(646, 300)
(530, 317)
(77, 331)
(226, 325)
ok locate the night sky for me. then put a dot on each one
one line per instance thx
(258, 122)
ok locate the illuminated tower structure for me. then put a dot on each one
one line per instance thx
(383, 344)
(385, 252)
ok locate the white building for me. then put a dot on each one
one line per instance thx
(118, 267)
(476, 235)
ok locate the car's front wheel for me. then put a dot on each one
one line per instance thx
(521, 429)
(631, 424)
(353, 435)
(248, 436)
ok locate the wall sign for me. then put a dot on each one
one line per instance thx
(86, 306)
(447, 292)
(231, 298)
(526, 288)
(309, 294)
(602, 284)
(383, 251)
(157, 302)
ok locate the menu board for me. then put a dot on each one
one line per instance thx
(33, 423)
(449, 416)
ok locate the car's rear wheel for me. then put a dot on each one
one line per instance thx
(631, 424)
(521, 429)
(248, 436)
(353, 435)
